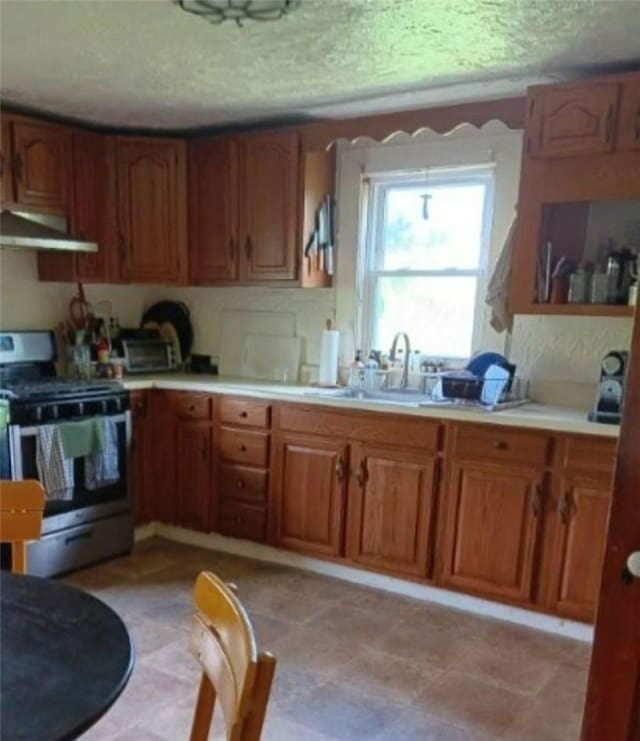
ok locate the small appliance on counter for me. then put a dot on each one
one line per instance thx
(145, 351)
(610, 398)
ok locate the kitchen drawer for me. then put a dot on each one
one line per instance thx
(139, 404)
(246, 412)
(191, 406)
(384, 429)
(500, 444)
(591, 454)
(242, 483)
(242, 520)
(243, 446)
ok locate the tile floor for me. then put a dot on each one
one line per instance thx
(353, 663)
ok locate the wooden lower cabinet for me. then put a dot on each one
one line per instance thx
(194, 490)
(578, 552)
(493, 514)
(142, 459)
(391, 509)
(310, 477)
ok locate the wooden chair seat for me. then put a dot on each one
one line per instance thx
(223, 642)
(21, 507)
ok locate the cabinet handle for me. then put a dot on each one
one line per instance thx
(248, 248)
(536, 500)
(363, 475)
(244, 415)
(239, 484)
(637, 128)
(18, 165)
(608, 124)
(501, 445)
(566, 507)
(192, 407)
(243, 448)
(341, 469)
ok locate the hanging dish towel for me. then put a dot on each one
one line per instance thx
(82, 438)
(101, 468)
(498, 289)
(54, 469)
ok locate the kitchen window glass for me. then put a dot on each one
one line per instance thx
(427, 243)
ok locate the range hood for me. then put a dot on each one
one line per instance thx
(39, 232)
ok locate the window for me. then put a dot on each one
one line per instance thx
(426, 253)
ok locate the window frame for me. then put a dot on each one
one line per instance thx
(372, 217)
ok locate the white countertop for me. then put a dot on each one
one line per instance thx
(532, 416)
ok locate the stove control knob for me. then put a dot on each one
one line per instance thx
(49, 413)
(35, 414)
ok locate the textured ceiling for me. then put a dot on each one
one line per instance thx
(147, 63)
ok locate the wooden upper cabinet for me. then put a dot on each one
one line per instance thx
(391, 509)
(492, 522)
(6, 162)
(269, 200)
(93, 214)
(575, 120)
(213, 211)
(40, 165)
(152, 229)
(310, 476)
(629, 127)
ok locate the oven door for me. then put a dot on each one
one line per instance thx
(85, 505)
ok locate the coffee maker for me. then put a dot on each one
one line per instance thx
(610, 396)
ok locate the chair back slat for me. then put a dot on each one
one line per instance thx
(21, 507)
(223, 642)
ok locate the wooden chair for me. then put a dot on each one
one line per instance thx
(224, 644)
(21, 506)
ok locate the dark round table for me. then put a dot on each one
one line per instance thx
(65, 657)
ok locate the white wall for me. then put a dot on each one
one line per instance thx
(560, 354)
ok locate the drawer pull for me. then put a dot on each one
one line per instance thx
(501, 445)
(243, 448)
(244, 414)
(239, 484)
(192, 407)
(608, 124)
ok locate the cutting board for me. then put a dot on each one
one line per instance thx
(238, 324)
(267, 356)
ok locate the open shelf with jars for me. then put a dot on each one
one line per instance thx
(588, 258)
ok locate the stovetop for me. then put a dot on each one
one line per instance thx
(52, 389)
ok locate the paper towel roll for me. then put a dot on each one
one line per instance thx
(328, 373)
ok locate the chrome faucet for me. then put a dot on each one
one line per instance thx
(404, 381)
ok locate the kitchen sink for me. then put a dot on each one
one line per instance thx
(395, 396)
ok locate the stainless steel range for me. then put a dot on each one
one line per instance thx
(88, 512)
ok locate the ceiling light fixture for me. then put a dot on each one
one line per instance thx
(219, 11)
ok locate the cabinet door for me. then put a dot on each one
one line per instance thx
(213, 217)
(141, 459)
(40, 165)
(573, 121)
(6, 162)
(92, 206)
(164, 464)
(194, 475)
(629, 128)
(391, 508)
(581, 531)
(309, 491)
(151, 209)
(493, 514)
(269, 206)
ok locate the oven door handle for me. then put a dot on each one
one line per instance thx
(26, 431)
(84, 535)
